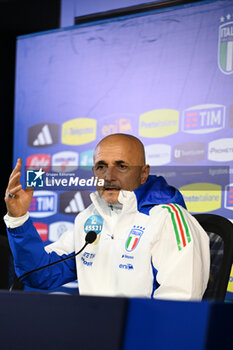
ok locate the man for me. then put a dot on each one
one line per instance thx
(145, 246)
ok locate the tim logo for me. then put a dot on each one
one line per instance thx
(203, 119)
(44, 203)
(229, 197)
(225, 45)
(35, 178)
(134, 238)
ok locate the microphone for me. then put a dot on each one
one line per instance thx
(90, 238)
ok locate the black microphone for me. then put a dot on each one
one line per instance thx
(90, 238)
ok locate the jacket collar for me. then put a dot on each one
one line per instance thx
(126, 198)
(156, 191)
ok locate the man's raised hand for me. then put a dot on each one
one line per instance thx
(17, 200)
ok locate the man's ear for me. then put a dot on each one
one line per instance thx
(145, 173)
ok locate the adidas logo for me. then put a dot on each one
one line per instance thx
(75, 205)
(73, 202)
(42, 135)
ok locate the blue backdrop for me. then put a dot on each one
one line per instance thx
(166, 77)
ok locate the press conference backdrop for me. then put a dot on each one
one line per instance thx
(165, 77)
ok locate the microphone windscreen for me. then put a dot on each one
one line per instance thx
(90, 237)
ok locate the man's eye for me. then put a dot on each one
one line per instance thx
(99, 167)
(123, 167)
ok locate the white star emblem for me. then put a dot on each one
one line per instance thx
(222, 19)
(228, 16)
(39, 173)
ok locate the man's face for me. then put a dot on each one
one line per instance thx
(119, 164)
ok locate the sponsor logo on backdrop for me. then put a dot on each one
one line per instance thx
(203, 119)
(65, 161)
(42, 229)
(189, 152)
(79, 131)
(44, 203)
(158, 154)
(43, 135)
(159, 123)
(73, 202)
(40, 160)
(56, 229)
(202, 197)
(86, 158)
(221, 150)
(225, 45)
(121, 125)
(230, 117)
(228, 203)
(230, 284)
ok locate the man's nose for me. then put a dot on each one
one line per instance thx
(110, 174)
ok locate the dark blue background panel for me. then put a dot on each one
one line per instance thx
(153, 324)
(39, 321)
